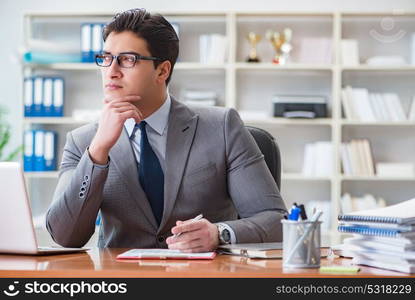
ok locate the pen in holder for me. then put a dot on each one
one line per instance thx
(301, 242)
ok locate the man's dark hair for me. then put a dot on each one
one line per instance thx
(160, 36)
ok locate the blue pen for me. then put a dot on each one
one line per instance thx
(294, 214)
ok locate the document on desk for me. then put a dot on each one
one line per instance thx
(253, 250)
(259, 250)
(164, 254)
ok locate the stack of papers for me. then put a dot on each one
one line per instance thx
(384, 237)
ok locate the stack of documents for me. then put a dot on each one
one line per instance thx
(384, 237)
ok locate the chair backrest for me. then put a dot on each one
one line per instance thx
(270, 150)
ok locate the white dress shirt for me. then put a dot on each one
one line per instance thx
(156, 128)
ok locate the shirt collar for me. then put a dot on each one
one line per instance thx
(157, 120)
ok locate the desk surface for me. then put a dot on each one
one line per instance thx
(103, 263)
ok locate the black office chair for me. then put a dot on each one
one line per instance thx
(270, 150)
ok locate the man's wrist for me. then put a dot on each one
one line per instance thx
(98, 154)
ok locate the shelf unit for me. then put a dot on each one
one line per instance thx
(248, 87)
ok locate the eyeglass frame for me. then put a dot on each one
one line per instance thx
(136, 55)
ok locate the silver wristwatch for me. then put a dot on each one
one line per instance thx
(224, 234)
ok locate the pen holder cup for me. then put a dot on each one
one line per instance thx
(301, 244)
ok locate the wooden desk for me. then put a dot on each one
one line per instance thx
(103, 263)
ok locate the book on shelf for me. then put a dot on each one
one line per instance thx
(349, 52)
(357, 158)
(345, 159)
(40, 152)
(348, 109)
(318, 159)
(212, 48)
(91, 41)
(43, 96)
(360, 105)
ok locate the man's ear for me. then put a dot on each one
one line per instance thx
(163, 71)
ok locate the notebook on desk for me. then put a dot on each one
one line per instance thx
(401, 213)
(17, 231)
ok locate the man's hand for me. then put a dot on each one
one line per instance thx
(195, 236)
(116, 111)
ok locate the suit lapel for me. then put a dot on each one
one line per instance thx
(182, 127)
(122, 156)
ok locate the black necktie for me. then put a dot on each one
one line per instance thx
(150, 173)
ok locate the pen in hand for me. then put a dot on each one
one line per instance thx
(197, 218)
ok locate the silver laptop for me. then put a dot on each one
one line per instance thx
(17, 232)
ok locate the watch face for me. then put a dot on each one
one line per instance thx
(226, 235)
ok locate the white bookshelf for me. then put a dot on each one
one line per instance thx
(248, 87)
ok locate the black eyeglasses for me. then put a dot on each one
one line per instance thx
(125, 60)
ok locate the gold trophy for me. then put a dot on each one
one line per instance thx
(282, 45)
(253, 40)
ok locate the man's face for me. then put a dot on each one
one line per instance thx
(139, 80)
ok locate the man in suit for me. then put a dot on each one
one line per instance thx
(151, 164)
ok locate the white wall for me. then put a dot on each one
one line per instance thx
(11, 29)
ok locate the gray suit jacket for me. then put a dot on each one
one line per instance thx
(213, 167)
